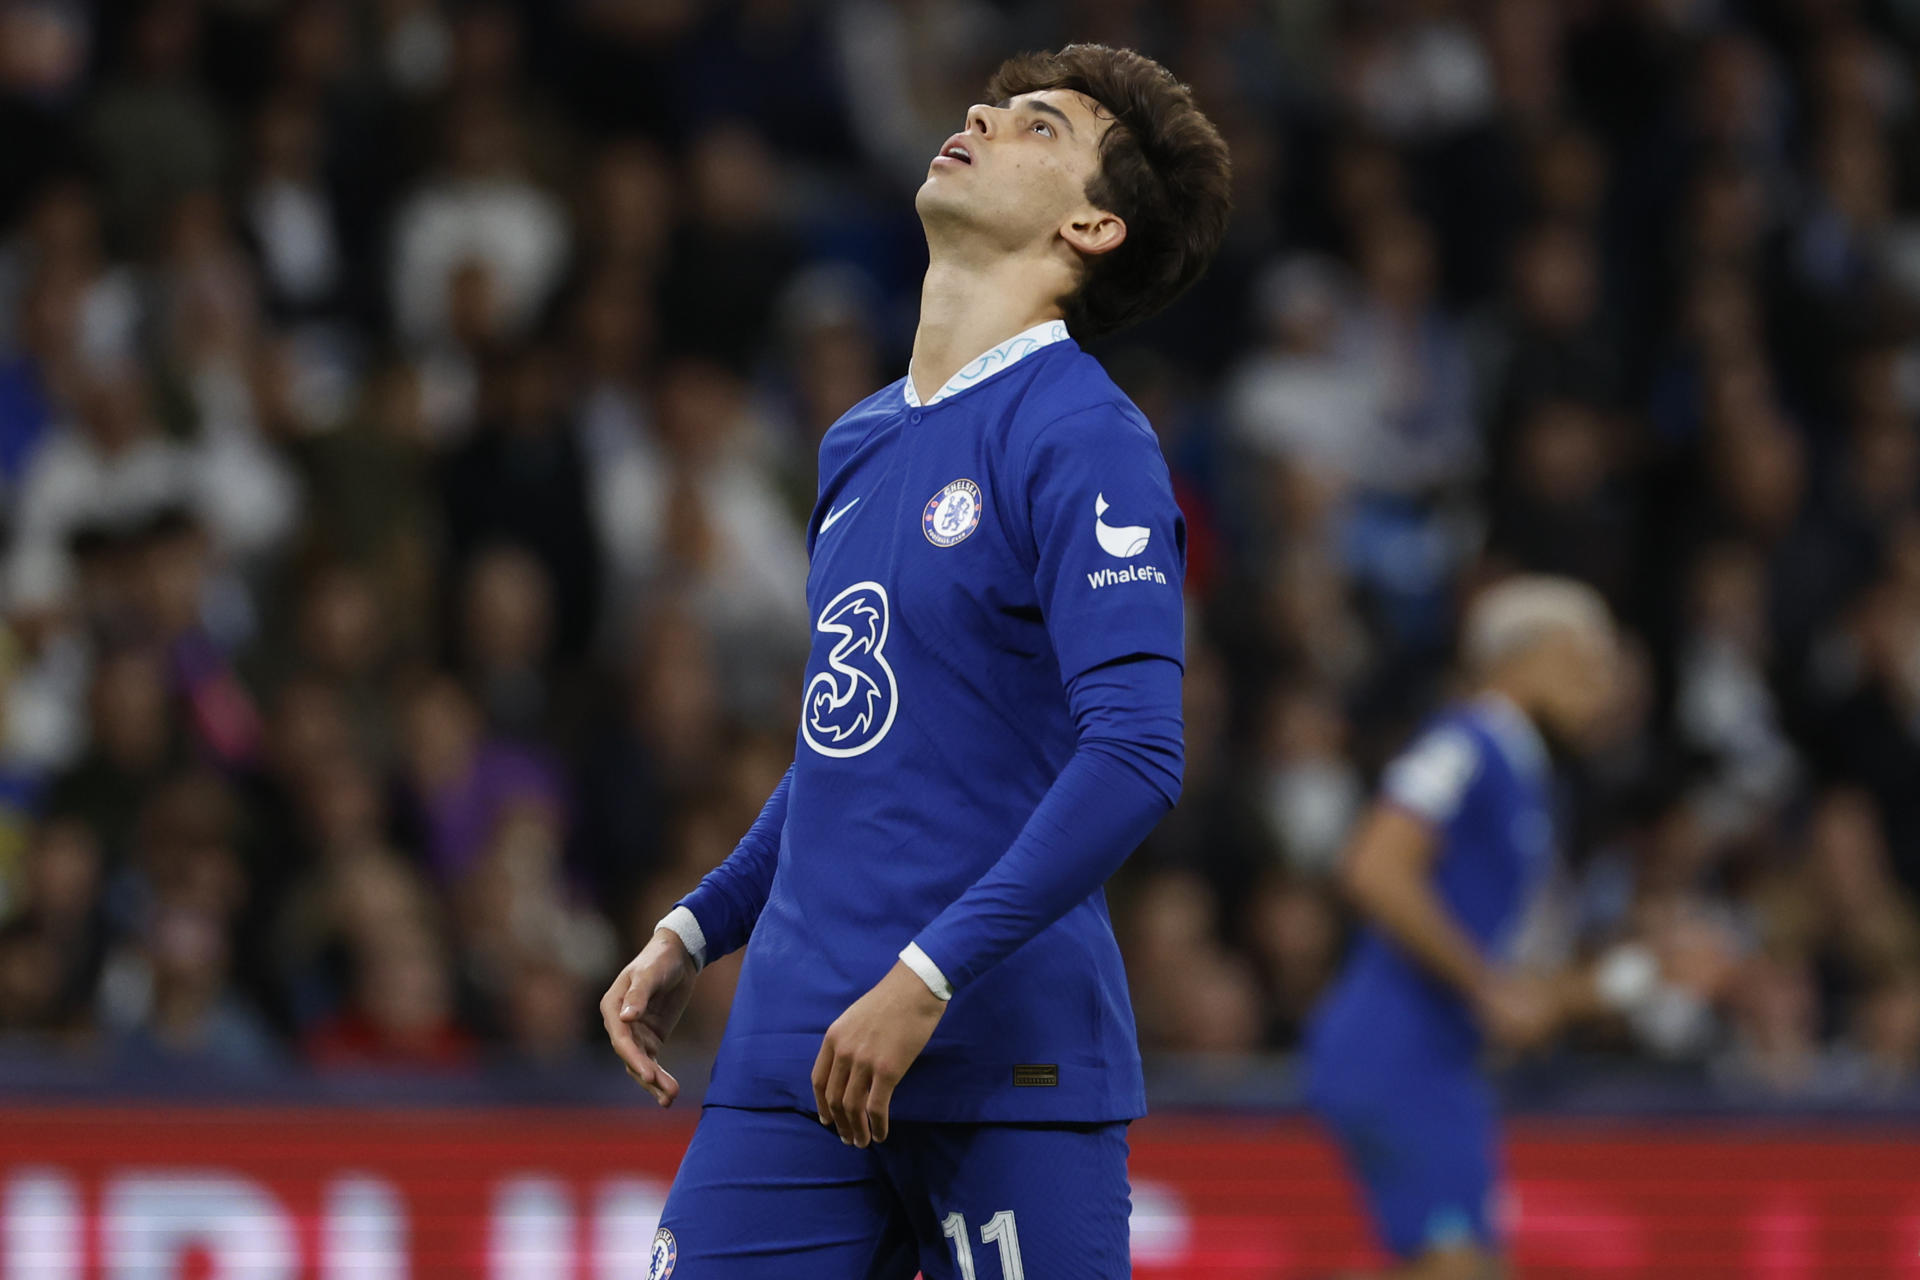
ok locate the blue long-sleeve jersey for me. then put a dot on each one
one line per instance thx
(991, 723)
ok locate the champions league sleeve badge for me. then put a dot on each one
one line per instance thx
(952, 514)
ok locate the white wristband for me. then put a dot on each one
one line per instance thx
(681, 921)
(922, 964)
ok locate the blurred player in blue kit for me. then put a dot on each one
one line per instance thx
(931, 1060)
(1441, 872)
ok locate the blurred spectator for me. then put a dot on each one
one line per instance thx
(1189, 992)
(1559, 349)
(522, 480)
(132, 746)
(44, 52)
(45, 672)
(1725, 711)
(1563, 506)
(343, 643)
(457, 781)
(547, 1006)
(372, 501)
(910, 70)
(832, 347)
(40, 375)
(401, 1013)
(480, 209)
(1294, 931)
(731, 256)
(1428, 75)
(1302, 401)
(59, 238)
(515, 911)
(54, 944)
(629, 213)
(111, 468)
(1420, 434)
(153, 127)
(181, 1010)
(288, 212)
(726, 536)
(612, 407)
(507, 624)
(659, 743)
(1312, 790)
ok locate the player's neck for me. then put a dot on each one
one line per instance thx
(967, 308)
(1511, 692)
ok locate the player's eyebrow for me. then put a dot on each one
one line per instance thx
(1041, 104)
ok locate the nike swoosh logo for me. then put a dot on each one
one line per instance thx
(827, 521)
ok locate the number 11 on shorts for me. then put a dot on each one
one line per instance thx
(1000, 1230)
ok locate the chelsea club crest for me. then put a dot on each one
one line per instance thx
(952, 514)
(666, 1252)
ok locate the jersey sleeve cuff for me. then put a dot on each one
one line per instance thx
(929, 972)
(682, 922)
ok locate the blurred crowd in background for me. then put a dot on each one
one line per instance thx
(407, 426)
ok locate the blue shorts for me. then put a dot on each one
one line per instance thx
(775, 1195)
(1427, 1153)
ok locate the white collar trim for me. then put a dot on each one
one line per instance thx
(1516, 733)
(984, 366)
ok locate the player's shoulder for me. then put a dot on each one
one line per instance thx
(1072, 403)
(1439, 767)
(888, 402)
(1510, 738)
(1452, 735)
(859, 422)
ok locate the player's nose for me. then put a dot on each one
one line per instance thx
(980, 119)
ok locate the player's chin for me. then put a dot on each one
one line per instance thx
(939, 199)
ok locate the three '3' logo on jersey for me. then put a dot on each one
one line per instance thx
(850, 705)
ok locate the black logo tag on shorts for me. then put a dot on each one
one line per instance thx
(1035, 1075)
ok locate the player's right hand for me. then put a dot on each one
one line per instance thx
(1517, 1012)
(642, 1007)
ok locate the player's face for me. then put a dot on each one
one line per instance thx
(1579, 677)
(1019, 171)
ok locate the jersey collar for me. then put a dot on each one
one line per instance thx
(1514, 730)
(985, 365)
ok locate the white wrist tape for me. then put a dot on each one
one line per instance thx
(929, 972)
(681, 921)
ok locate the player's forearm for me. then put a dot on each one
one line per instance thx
(729, 899)
(1123, 777)
(1411, 915)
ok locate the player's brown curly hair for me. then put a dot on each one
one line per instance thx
(1163, 169)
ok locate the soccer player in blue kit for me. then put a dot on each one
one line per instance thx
(931, 1059)
(1441, 872)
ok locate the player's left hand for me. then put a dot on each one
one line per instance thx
(868, 1049)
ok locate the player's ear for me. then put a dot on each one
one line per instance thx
(1093, 231)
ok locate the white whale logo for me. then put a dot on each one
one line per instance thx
(1124, 541)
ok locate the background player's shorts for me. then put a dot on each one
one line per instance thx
(775, 1195)
(1426, 1153)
